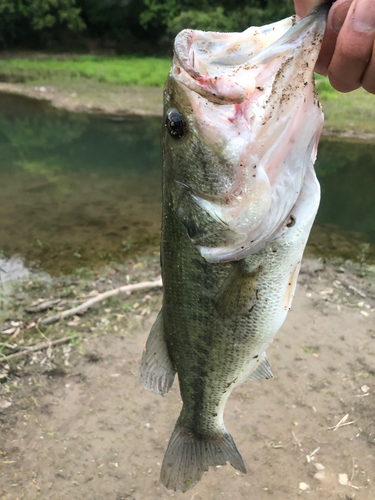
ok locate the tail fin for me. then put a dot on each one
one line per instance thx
(187, 457)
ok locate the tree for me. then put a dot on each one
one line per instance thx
(171, 16)
(131, 24)
(23, 19)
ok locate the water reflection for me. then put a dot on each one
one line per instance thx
(345, 220)
(76, 190)
(14, 270)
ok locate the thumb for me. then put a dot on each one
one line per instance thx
(304, 7)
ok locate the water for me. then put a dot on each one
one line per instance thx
(345, 224)
(78, 190)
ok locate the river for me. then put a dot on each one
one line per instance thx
(77, 190)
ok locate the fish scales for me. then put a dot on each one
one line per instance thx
(212, 349)
(239, 198)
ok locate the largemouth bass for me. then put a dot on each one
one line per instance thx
(242, 124)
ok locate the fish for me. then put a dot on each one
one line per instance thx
(241, 128)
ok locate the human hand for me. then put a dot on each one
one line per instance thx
(348, 51)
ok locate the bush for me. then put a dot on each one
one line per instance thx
(128, 23)
(213, 20)
(33, 20)
(217, 19)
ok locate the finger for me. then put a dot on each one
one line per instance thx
(304, 7)
(368, 79)
(336, 18)
(354, 45)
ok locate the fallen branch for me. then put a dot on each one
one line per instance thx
(335, 427)
(51, 304)
(102, 296)
(40, 347)
(42, 306)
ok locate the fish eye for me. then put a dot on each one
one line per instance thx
(292, 221)
(176, 124)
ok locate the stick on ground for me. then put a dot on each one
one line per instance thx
(39, 347)
(110, 293)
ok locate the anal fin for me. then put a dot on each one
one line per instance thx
(156, 372)
(263, 371)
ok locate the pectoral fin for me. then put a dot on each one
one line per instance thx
(262, 372)
(238, 293)
(156, 372)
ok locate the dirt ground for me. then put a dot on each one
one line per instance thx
(80, 426)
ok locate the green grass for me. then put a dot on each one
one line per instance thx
(354, 111)
(325, 90)
(310, 349)
(145, 71)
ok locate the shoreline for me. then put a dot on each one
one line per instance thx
(92, 99)
(128, 100)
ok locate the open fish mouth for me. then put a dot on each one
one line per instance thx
(251, 97)
(216, 65)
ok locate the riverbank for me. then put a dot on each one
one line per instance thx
(86, 83)
(344, 117)
(74, 422)
(93, 97)
(123, 86)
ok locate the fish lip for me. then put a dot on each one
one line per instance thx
(221, 88)
(217, 88)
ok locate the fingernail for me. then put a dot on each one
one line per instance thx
(364, 15)
(339, 16)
